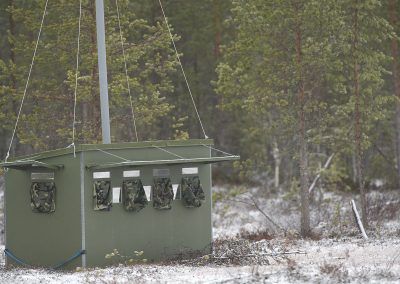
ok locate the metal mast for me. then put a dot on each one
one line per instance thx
(101, 50)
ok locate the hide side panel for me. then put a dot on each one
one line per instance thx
(38, 238)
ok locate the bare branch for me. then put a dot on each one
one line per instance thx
(327, 164)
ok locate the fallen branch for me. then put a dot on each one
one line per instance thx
(259, 254)
(358, 220)
(255, 204)
(327, 164)
(265, 214)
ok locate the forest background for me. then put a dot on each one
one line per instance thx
(298, 88)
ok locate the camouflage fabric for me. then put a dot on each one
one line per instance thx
(43, 197)
(101, 195)
(162, 193)
(133, 195)
(191, 191)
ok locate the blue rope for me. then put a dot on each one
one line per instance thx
(8, 253)
(77, 254)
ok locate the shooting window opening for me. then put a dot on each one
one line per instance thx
(131, 174)
(42, 176)
(190, 171)
(161, 172)
(100, 175)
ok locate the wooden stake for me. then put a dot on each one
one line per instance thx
(358, 220)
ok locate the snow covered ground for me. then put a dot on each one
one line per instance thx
(325, 261)
(258, 251)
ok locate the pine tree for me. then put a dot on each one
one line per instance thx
(276, 72)
(365, 65)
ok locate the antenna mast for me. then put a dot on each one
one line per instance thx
(101, 50)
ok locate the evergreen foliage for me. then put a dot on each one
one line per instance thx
(150, 61)
(283, 83)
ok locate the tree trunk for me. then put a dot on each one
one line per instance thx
(354, 165)
(357, 119)
(305, 200)
(392, 10)
(304, 195)
(277, 159)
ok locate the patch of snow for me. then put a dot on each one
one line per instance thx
(378, 182)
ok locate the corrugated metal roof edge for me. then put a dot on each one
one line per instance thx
(209, 160)
(114, 146)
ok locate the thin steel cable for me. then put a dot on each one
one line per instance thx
(111, 154)
(126, 72)
(215, 149)
(183, 71)
(76, 76)
(169, 152)
(27, 81)
(28, 158)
